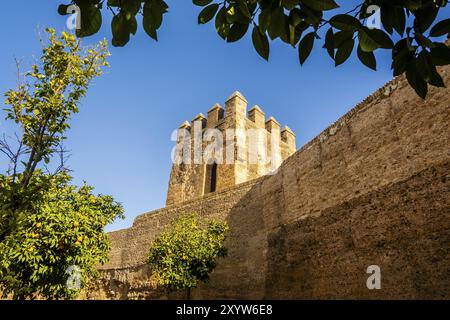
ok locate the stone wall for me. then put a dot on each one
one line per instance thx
(372, 189)
(250, 148)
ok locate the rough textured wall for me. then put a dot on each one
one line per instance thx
(374, 188)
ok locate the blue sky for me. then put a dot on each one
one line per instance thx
(120, 140)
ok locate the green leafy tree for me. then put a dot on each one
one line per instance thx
(417, 51)
(60, 228)
(51, 232)
(186, 252)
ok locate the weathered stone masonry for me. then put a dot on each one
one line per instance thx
(373, 188)
(190, 181)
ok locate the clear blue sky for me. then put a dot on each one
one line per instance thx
(120, 141)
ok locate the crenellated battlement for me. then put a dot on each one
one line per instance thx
(229, 146)
(236, 109)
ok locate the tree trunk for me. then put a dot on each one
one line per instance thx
(188, 294)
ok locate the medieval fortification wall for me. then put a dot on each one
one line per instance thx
(372, 189)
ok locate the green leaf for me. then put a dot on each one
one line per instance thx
(222, 26)
(399, 20)
(344, 51)
(320, 5)
(436, 80)
(153, 16)
(312, 17)
(277, 23)
(402, 55)
(425, 17)
(285, 31)
(388, 17)
(416, 80)
(260, 42)
(340, 37)
(345, 22)
(372, 39)
(413, 5)
(114, 3)
(423, 41)
(295, 26)
(149, 28)
(441, 28)
(158, 9)
(383, 40)
(264, 19)
(289, 4)
(329, 43)
(62, 9)
(237, 31)
(91, 21)
(132, 25)
(294, 36)
(208, 13)
(201, 3)
(427, 69)
(305, 47)
(242, 5)
(440, 54)
(295, 17)
(132, 6)
(231, 14)
(367, 58)
(120, 31)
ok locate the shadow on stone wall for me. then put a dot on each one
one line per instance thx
(372, 189)
(403, 228)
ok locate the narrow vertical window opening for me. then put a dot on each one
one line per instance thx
(213, 185)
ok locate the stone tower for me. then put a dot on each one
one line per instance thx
(228, 147)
